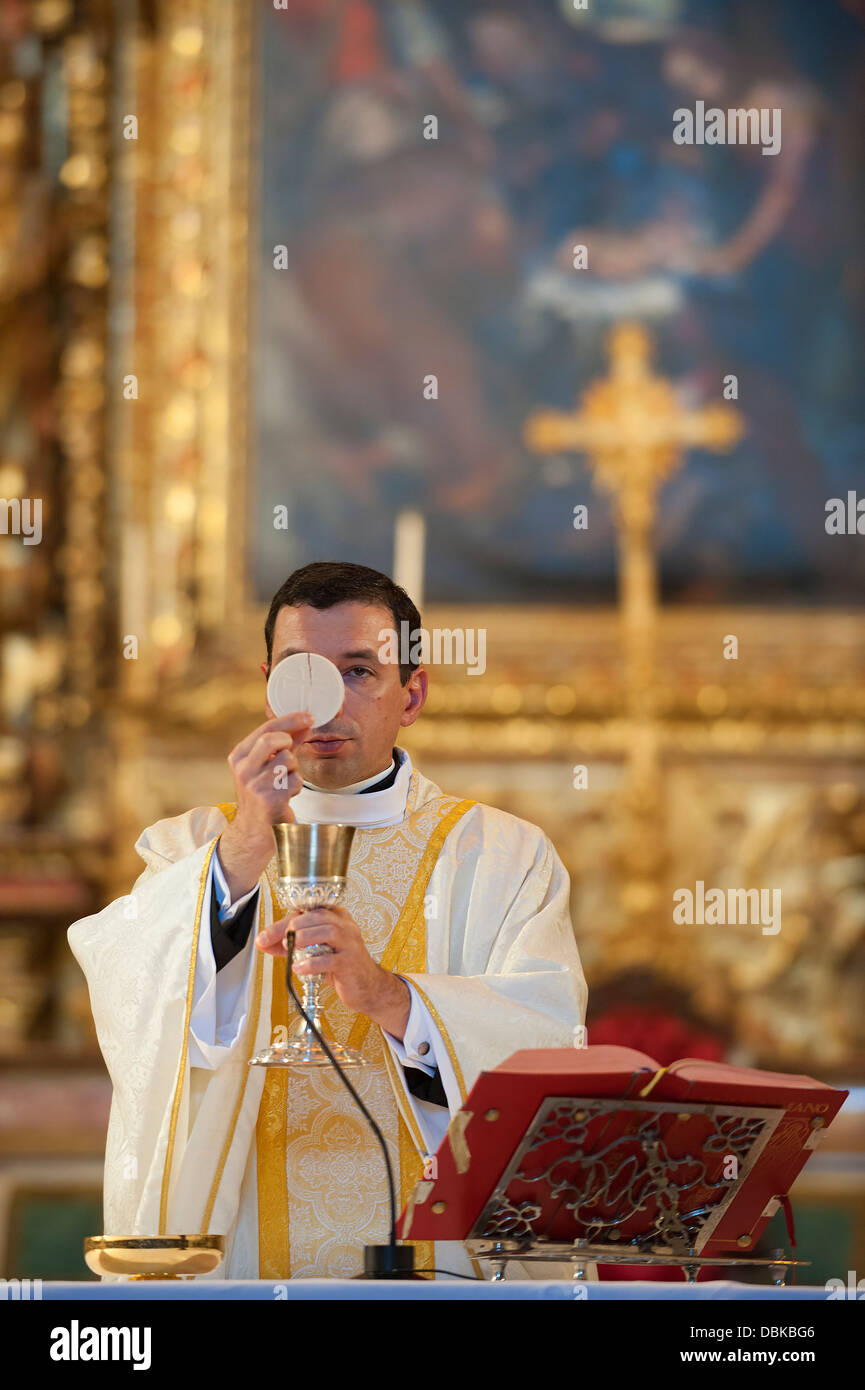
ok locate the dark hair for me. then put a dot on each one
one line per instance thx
(326, 583)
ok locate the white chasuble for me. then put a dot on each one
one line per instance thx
(468, 903)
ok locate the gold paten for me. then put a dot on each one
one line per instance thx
(154, 1257)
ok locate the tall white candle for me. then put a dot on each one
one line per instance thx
(409, 547)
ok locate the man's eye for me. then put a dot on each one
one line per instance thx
(359, 671)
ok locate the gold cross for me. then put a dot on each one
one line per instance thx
(635, 434)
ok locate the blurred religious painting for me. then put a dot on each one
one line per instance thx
(406, 257)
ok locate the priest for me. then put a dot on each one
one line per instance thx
(452, 948)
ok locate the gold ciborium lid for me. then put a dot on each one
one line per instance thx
(153, 1257)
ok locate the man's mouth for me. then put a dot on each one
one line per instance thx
(325, 744)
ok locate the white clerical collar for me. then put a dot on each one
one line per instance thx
(354, 786)
(345, 807)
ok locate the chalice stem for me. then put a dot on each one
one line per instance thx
(311, 999)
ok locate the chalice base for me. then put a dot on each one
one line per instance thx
(306, 1052)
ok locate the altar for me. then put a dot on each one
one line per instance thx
(426, 1291)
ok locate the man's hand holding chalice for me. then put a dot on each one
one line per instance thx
(360, 983)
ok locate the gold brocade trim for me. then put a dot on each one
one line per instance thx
(274, 1217)
(184, 1050)
(252, 1030)
(406, 937)
(411, 1167)
(411, 1170)
(274, 1247)
(458, 1071)
(406, 940)
(403, 1105)
(407, 948)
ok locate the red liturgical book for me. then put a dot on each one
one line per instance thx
(602, 1144)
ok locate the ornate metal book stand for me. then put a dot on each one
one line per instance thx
(624, 1182)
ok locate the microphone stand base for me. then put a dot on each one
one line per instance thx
(388, 1262)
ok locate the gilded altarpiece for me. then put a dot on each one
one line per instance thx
(131, 644)
(747, 772)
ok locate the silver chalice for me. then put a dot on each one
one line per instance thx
(312, 862)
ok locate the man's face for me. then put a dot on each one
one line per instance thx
(357, 742)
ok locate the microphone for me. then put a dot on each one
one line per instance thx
(391, 1261)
